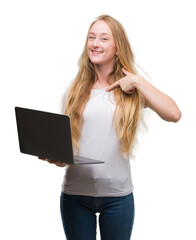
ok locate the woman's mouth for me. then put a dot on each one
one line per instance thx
(96, 52)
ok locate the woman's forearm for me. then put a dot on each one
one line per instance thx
(159, 102)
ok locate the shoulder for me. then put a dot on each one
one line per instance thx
(63, 101)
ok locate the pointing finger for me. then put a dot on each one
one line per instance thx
(111, 87)
(125, 71)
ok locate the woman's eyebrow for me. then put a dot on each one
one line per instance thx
(101, 33)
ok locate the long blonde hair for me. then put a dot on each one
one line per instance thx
(128, 106)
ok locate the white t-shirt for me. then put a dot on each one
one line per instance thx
(99, 141)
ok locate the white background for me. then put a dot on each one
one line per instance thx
(40, 44)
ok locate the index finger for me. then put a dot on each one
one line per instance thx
(111, 87)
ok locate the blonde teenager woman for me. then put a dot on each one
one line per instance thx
(104, 103)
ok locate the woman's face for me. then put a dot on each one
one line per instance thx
(101, 46)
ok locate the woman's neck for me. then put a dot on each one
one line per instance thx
(103, 72)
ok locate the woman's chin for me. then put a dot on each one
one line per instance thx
(97, 62)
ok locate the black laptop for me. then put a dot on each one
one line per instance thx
(47, 135)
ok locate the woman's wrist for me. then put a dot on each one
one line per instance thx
(138, 81)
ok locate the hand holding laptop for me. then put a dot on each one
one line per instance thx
(48, 136)
(59, 164)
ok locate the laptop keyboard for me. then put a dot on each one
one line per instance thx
(79, 159)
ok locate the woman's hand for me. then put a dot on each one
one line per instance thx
(127, 83)
(158, 101)
(59, 164)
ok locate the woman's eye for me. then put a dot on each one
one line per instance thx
(104, 39)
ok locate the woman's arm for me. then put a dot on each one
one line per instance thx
(159, 102)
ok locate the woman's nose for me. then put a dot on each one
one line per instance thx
(96, 42)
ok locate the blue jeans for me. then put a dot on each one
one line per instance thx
(79, 217)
